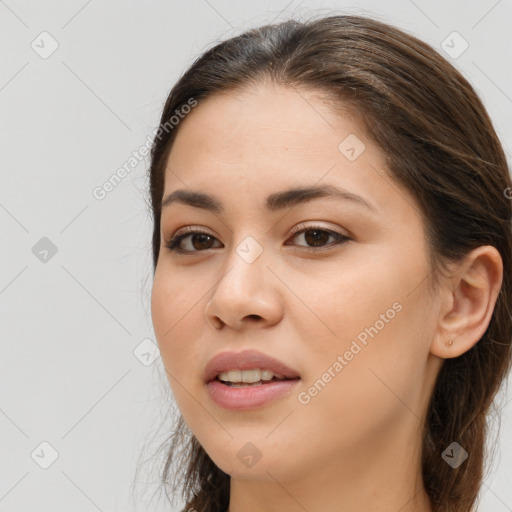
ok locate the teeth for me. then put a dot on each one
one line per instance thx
(248, 376)
(266, 375)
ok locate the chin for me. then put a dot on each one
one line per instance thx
(252, 461)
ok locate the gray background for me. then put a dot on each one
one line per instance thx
(75, 324)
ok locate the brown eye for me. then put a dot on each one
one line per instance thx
(201, 241)
(316, 237)
(196, 241)
(319, 237)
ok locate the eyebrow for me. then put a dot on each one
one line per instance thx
(274, 202)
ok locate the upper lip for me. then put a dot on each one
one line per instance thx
(245, 360)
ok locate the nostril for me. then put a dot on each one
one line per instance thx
(254, 317)
(215, 322)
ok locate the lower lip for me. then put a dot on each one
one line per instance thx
(250, 397)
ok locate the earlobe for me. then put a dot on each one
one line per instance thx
(469, 300)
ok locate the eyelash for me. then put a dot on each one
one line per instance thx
(173, 243)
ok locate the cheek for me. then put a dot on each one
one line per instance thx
(350, 305)
(376, 390)
(177, 321)
(176, 315)
(375, 318)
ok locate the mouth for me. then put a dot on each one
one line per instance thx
(250, 378)
(247, 380)
(248, 367)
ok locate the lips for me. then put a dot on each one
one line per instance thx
(245, 360)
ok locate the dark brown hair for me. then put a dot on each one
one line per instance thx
(440, 145)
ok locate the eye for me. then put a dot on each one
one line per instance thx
(318, 236)
(197, 240)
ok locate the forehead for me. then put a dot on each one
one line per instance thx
(266, 129)
(266, 118)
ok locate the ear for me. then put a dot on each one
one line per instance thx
(467, 302)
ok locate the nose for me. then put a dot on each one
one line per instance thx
(248, 294)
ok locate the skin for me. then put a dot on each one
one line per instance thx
(356, 445)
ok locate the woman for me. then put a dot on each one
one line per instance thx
(332, 250)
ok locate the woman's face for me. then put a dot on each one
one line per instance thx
(351, 315)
